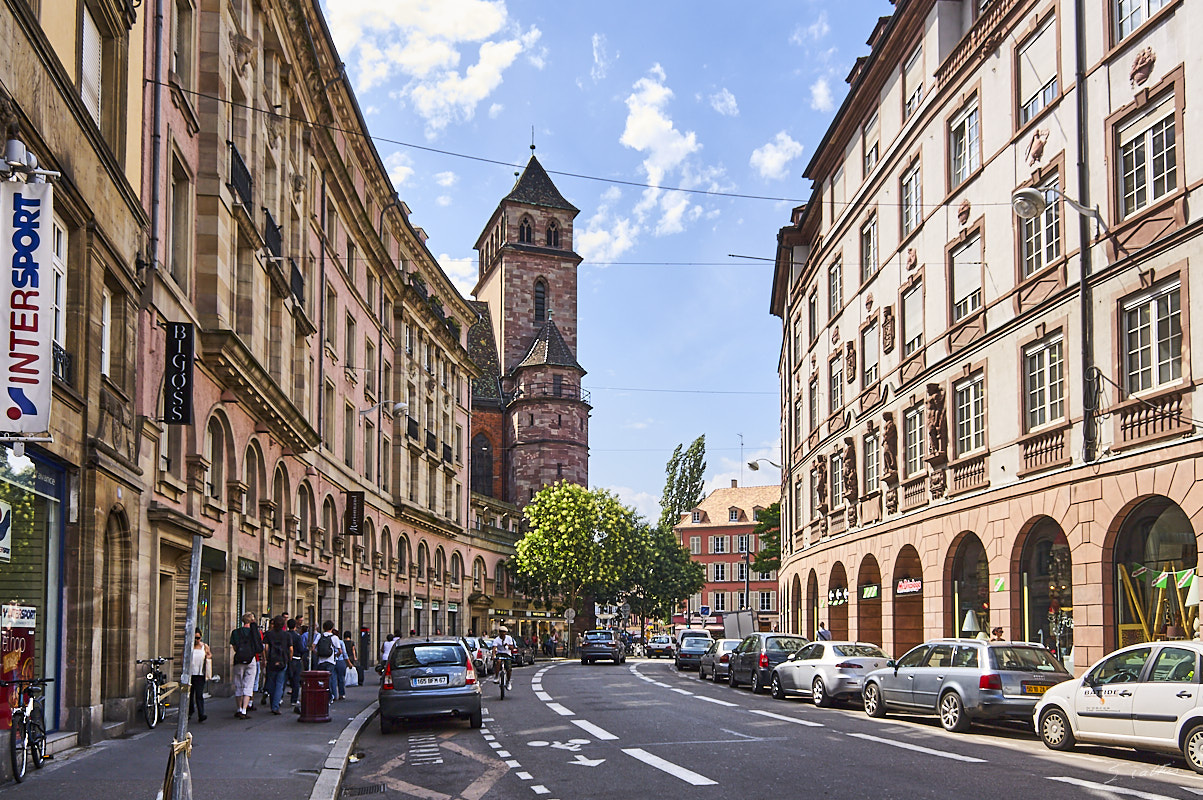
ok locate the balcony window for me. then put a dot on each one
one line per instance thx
(872, 448)
(913, 443)
(1044, 382)
(835, 474)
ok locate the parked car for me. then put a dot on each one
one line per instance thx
(481, 652)
(753, 661)
(827, 671)
(602, 644)
(523, 654)
(689, 653)
(661, 646)
(1145, 696)
(961, 680)
(716, 661)
(429, 677)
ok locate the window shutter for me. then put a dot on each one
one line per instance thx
(912, 314)
(870, 346)
(90, 65)
(1038, 61)
(914, 71)
(966, 270)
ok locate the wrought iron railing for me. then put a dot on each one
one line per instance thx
(432, 442)
(411, 428)
(568, 391)
(447, 453)
(273, 238)
(240, 177)
(63, 364)
(296, 281)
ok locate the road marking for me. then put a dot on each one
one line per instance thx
(918, 749)
(512, 764)
(559, 709)
(1110, 788)
(495, 745)
(589, 727)
(503, 753)
(714, 700)
(689, 776)
(526, 776)
(583, 761)
(784, 718)
(682, 691)
(489, 737)
(540, 789)
(544, 696)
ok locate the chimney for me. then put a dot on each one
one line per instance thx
(734, 483)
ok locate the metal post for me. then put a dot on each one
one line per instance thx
(181, 785)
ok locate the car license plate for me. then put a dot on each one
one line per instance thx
(1034, 688)
(440, 680)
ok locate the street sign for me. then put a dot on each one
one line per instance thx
(704, 611)
(570, 615)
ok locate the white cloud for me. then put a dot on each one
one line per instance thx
(651, 131)
(815, 31)
(601, 59)
(724, 103)
(820, 95)
(399, 166)
(645, 504)
(607, 234)
(443, 200)
(445, 179)
(495, 110)
(422, 44)
(461, 271)
(639, 424)
(772, 160)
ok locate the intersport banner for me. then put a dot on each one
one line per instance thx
(26, 293)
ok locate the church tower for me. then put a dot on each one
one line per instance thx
(530, 416)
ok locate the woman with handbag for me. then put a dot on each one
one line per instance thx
(344, 660)
(200, 671)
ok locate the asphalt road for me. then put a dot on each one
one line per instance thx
(644, 730)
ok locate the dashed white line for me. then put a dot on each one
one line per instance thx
(784, 718)
(676, 770)
(918, 749)
(715, 700)
(1110, 788)
(589, 727)
(544, 696)
(559, 709)
(512, 764)
(526, 776)
(503, 753)
(682, 691)
(540, 789)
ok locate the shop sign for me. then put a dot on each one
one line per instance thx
(6, 532)
(354, 513)
(26, 251)
(453, 606)
(837, 597)
(434, 605)
(17, 625)
(908, 586)
(177, 374)
(417, 604)
(870, 591)
(247, 568)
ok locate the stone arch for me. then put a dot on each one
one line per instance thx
(281, 496)
(837, 602)
(478, 574)
(116, 612)
(812, 604)
(553, 233)
(423, 560)
(219, 452)
(868, 600)
(305, 511)
(369, 542)
(404, 556)
(966, 586)
(540, 299)
(457, 568)
(329, 521)
(907, 591)
(1154, 533)
(386, 548)
(797, 621)
(499, 579)
(254, 477)
(526, 230)
(1041, 583)
(440, 563)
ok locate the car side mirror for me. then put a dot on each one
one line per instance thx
(791, 657)
(892, 663)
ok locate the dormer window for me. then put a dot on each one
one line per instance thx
(526, 231)
(553, 234)
(697, 517)
(733, 515)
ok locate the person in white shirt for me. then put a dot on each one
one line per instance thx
(503, 644)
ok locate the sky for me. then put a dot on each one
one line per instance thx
(626, 103)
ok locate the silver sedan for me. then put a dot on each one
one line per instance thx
(827, 671)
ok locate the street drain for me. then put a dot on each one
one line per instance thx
(359, 791)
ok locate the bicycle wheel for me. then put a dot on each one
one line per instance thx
(150, 709)
(17, 745)
(37, 736)
(502, 676)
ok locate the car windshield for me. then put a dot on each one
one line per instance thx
(728, 645)
(784, 644)
(599, 636)
(428, 655)
(863, 650)
(1026, 659)
(661, 640)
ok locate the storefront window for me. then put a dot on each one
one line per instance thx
(1047, 585)
(970, 588)
(1155, 559)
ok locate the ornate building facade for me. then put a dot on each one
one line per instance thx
(986, 382)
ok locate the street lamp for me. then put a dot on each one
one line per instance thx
(396, 407)
(1030, 203)
(754, 465)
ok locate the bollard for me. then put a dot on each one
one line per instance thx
(315, 696)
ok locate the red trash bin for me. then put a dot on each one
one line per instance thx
(315, 696)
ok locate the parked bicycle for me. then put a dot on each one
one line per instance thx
(154, 709)
(28, 740)
(505, 671)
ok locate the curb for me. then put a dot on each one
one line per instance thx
(330, 779)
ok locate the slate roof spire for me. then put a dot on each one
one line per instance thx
(549, 349)
(535, 188)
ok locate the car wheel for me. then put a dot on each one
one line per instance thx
(818, 693)
(874, 705)
(386, 726)
(777, 690)
(1192, 748)
(731, 680)
(952, 713)
(701, 673)
(477, 719)
(1056, 734)
(757, 688)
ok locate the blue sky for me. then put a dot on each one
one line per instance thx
(720, 98)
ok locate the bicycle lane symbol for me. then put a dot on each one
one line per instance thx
(572, 745)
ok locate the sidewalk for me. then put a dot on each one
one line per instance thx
(266, 756)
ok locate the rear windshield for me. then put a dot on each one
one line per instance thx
(863, 650)
(599, 636)
(1025, 659)
(661, 640)
(727, 645)
(429, 655)
(686, 636)
(784, 644)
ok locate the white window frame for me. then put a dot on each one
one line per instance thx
(872, 459)
(766, 601)
(870, 143)
(813, 397)
(868, 248)
(91, 78)
(1044, 382)
(719, 570)
(913, 440)
(835, 475)
(1153, 339)
(836, 385)
(1034, 98)
(835, 287)
(696, 517)
(870, 349)
(1131, 14)
(914, 94)
(969, 407)
(912, 320)
(966, 278)
(964, 143)
(1042, 233)
(1147, 157)
(733, 515)
(718, 545)
(106, 332)
(695, 545)
(58, 249)
(718, 601)
(912, 198)
(741, 571)
(742, 542)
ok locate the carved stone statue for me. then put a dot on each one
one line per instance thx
(850, 359)
(889, 448)
(887, 329)
(937, 484)
(851, 490)
(912, 258)
(1036, 146)
(963, 212)
(892, 500)
(821, 483)
(937, 425)
(1142, 67)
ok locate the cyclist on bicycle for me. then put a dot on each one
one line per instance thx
(505, 648)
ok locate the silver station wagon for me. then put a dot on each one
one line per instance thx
(961, 680)
(429, 677)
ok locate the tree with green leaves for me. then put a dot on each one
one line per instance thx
(684, 482)
(580, 543)
(768, 531)
(666, 577)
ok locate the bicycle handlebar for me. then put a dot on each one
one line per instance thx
(155, 661)
(27, 681)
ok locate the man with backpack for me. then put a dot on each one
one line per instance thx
(246, 644)
(278, 656)
(325, 652)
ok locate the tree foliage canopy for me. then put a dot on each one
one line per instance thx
(768, 530)
(683, 483)
(668, 576)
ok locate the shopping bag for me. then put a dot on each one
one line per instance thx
(352, 676)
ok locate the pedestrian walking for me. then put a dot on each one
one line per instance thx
(824, 634)
(324, 649)
(247, 646)
(347, 661)
(295, 663)
(199, 670)
(277, 657)
(387, 647)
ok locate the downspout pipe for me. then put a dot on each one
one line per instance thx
(1085, 296)
(156, 137)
